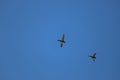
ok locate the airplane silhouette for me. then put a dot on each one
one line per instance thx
(93, 56)
(62, 40)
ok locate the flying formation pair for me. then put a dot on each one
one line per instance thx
(62, 41)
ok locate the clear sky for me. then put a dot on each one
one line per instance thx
(29, 30)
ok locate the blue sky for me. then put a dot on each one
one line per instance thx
(29, 30)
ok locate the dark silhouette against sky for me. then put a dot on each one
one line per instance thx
(29, 30)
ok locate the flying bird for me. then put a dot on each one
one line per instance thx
(62, 41)
(93, 56)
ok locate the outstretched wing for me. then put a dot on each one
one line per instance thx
(94, 54)
(93, 59)
(63, 37)
(61, 44)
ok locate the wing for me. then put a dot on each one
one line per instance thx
(63, 37)
(61, 44)
(94, 54)
(93, 59)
